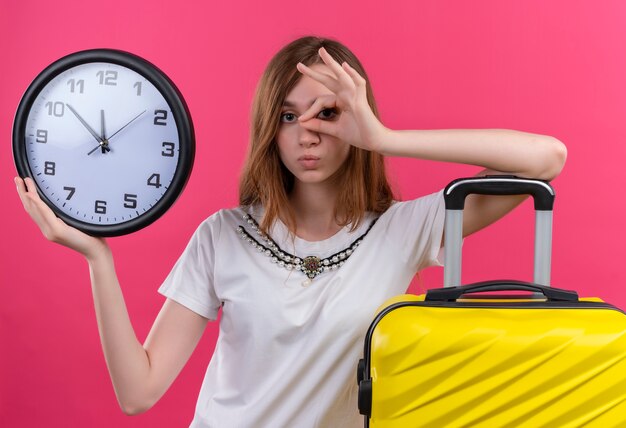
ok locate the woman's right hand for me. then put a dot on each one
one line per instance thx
(52, 227)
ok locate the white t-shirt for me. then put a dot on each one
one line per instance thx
(286, 355)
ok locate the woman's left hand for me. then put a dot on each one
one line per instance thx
(356, 123)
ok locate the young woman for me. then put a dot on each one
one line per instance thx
(300, 267)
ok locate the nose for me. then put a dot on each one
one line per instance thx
(308, 138)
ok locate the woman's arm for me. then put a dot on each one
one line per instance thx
(519, 153)
(140, 374)
(498, 151)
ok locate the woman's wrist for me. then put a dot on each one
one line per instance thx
(98, 253)
(385, 141)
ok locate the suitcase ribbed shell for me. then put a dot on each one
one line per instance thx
(534, 366)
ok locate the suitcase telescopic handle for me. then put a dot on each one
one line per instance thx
(452, 294)
(459, 189)
(455, 194)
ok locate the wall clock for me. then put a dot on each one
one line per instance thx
(107, 138)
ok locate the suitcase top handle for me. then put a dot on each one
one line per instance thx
(456, 192)
(451, 294)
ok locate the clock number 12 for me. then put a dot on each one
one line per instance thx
(108, 78)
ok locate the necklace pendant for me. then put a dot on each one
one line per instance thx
(311, 264)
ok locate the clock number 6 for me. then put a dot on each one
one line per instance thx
(101, 207)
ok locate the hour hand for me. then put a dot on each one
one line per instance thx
(85, 124)
(103, 135)
(104, 146)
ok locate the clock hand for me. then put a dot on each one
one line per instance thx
(104, 144)
(105, 148)
(85, 124)
(129, 122)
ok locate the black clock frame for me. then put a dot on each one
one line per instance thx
(172, 96)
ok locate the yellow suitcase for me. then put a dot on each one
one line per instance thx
(455, 358)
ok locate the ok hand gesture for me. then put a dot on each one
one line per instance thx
(356, 125)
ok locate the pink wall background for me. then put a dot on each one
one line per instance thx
(554, 68)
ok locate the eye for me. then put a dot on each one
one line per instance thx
(327, 113)
(288, 117)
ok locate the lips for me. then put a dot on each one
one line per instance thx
(309, 161)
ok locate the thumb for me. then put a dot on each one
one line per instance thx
(320, 126)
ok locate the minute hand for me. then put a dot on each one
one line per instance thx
(85, 124)
(129, 122)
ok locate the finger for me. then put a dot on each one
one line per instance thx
(321, 126)
(320, 103)
(356, 77)
(29, 201)
(37, 208)
(326, 80)
(31, 188)
(30, 184)
(21, 190)
(27, 195)
(330, 62)
(19, 183)
(337, 69)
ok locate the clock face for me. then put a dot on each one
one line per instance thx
(107, 143)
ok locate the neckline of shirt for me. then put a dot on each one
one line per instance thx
(300, 247)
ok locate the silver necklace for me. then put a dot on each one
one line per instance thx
(311, 266)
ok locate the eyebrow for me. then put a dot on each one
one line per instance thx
(292, 104)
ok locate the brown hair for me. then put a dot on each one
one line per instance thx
(265, 180)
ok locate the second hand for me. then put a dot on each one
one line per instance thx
(104, 144)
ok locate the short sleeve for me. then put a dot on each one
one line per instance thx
(191, 280)
(415, 227)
